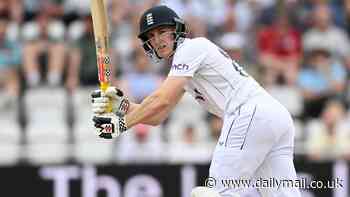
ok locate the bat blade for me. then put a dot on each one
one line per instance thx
(99, 19)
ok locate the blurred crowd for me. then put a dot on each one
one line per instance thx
(299, 50)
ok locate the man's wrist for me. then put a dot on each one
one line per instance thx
(122, 124)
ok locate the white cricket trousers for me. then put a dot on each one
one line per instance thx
(256, 143)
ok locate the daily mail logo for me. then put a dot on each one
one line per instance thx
(180, 67)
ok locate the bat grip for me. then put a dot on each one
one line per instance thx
(103, 87)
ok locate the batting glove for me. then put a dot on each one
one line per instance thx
(112, 96)
(109, 126)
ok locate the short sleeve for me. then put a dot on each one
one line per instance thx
(188, 59)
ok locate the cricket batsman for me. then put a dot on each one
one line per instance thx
(257, 137)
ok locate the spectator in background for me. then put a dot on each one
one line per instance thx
(239, 15)
(141, 81)
(195, 17)
(234, 43)
(52, 7)
(194, 13)
(190, 148)
(215, 125)
(14, 7)
(144, 145)
(328, 137)
(44, 50)
(347, 61)
(82, 68)
(305, 11)
(324, 34)
(10, 60)
(347, 15)
(279, 48)
(74, 9)
(346, 95)
(198, 26)
(320, 79)
(14, 10)
(123, 33)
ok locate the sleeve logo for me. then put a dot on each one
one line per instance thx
(180, 67)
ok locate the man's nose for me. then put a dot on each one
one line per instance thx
(157, 39)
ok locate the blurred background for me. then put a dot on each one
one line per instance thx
(299, 50)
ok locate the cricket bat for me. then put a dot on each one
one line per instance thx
(101, 35)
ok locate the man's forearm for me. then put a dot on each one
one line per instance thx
(151, 111)
(154, 119)
(150, 120)
(155, 108)
(133, 106)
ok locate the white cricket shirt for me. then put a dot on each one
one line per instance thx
(218, 83)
